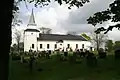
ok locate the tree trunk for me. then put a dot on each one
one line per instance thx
(97, 46)
(97, 39)
(18, 47)
(6, 19)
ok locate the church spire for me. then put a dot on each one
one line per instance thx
(32, 20)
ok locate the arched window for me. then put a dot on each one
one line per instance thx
(55, 45)
(68, 45)
(48, 46)
(40, 46)
(33, 46)
(83, 45)
(76, 45)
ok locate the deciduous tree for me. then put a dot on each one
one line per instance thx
(18, 38)
(117, 45)
(111, 14)
(86, 36)
(98, 40)
(109, 45)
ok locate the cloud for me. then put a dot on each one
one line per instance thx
(114, 34)
(77, 18)
(61, 20)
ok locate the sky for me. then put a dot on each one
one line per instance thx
(62, 20)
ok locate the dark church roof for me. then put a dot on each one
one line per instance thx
(32, 30)
(57, 37)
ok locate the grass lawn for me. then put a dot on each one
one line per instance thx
(107, 69)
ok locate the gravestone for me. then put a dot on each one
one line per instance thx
(31, 62)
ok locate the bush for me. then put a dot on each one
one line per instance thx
(91, 60)
(16, 57)
(65, 54)
(117, 53)
(71, 59)
(102, 55)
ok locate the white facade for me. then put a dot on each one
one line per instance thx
(63, 45)
(29, 39)
(43, 45)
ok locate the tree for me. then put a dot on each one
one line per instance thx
(45, 30)
(14, 48)
(86, 36)
(109, 45)
(18, 38)
(77, 3)
(117, 45)
(111, 14)
(98, 40)
(16, 20)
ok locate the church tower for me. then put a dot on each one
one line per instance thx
(31, 34)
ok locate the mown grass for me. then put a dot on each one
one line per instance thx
(53, 69)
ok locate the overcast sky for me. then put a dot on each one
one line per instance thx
(61, 20)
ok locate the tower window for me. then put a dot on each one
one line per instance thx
(48, 46)
(33, 46)
(40, 45)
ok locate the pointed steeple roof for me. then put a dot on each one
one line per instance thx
(32, 20)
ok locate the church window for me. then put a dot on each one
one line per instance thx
(68, 45)
(83, 45)
(76, 45)
(55, 45)
(48, 46)
(33, 46)
(61, 44)
(31, 33)
(40, 45)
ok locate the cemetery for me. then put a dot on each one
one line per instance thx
(42, 55)
(65, 65)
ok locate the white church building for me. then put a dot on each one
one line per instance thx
(35, 40)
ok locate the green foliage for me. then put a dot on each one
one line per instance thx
(86, 36)
(109, 45)
(16, 57)
(15, 19)
(117, 45)
(77, 3)
(41, 3)
(112, 13)
(52, 70)
(15, 47)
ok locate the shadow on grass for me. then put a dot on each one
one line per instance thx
(53, 69)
